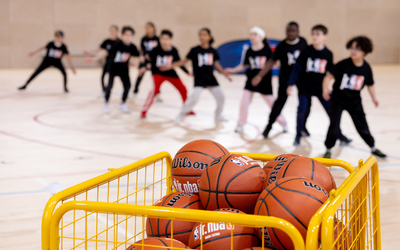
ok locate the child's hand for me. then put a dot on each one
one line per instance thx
(256, 80)
(73, 71)
(289, 90)
(326, 95)
(90, 60)
(31, 54)
(85, 52)
(376, 102)
(228, 71)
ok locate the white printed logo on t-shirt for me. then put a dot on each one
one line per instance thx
(292, 57)
(206, 59)
(316, 65)
(164, 60)
(354, 82)
(121, 57)
(257, 62)
(150, 45)
(55, 53)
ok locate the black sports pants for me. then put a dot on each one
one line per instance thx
(124, 76)
(44, 65)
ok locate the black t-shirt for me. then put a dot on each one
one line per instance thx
(54, 52)
(314, 65)
(148, 44)
(256, 60)
(350, 79)
(203, 62)
(120, 54)
(159, 57)
(107, 45)
(287, 54)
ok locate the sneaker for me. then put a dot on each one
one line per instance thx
(123, 108)
(107, 109)
(285, 129)
(239, 129)
(22, 87)
(378, 153)
(344, 140)
(143, 115)
(266, 132)
(327, 155)
(66, 90)
(305, 133)
(220, 118)
(191, 113)
(296, 142)
(158, 98)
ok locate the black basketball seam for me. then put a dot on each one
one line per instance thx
(167, 235)
(312, 172)
(276, 237)
(284, 172)
(216, 144)
(163, 243)
(296, 191)
(186, 175)
(209, 187)
(151, 227)
(223, 192)
(219, 176)
(191, 203)
(234, 177)
(198, 152)
(167, 198)
(225, 236)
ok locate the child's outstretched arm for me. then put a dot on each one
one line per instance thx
(36, 51)
(71, 65)
(257, 79)
(221, 70)
(326, 91)
(371, 90)
(102, 54)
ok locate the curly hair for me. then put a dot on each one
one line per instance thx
(363, 42)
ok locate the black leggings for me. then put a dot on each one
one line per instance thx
(44, 65)
(106, 69)
(126, 82)
(356, 111)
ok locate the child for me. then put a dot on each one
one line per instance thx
(255, 59)
(287, 51)
(308, 73)
(204, 58)
(163, 55)
(55, 51)
(148, 43)
(106, 45)
(120, 53)
(350, 76)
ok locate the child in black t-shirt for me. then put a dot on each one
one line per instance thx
(164, 55)
(350, 76)
(255, 60)
(148, 43)
(308, 73)
(204, 58)
(287, 52)
(106, 45)
(55, 51)
(120, 53)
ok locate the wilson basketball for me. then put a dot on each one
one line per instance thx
(190, 162)
(218, 235)
(304, 167)
(154, 243)
(294, 199)
(232, 181)
(272, 163)
(255, 248)
(162, 227)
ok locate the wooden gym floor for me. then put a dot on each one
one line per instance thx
(50, 140)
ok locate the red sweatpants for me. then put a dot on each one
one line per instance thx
(158, 80)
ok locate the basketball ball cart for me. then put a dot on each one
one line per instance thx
(110, 211)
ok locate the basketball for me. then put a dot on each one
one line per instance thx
(232, 181)
(162, 227)
(294, 199)
(272, 163)
(157, 243)
(218, 235)
(255, 248)
(190, 162)
(304, 167)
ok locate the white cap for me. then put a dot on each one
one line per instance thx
(259, 31)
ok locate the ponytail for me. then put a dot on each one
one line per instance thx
(209, 33)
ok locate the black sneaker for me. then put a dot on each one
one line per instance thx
(297, 141)
(327, 155)
(344, 140)
(305, 132)
(266, 132)
(22, 87)
(66, 90)
(378, 153)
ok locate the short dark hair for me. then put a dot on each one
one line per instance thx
(321, 28)
(363, 42)
(59, 33)
(292, 23)
(127, 28)
(114, 26)
(167, 32)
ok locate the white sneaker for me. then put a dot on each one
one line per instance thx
(158, 98)
(134, 96)
(123, 108)
(107, 109)
(239, 129)
(178, 119)
(220, 118)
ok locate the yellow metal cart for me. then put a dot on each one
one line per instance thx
(110, 211)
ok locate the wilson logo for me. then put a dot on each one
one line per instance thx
(274, 173)
(174, 199)
(316, 187)
(186, 163)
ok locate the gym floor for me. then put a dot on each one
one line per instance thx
(50, 140)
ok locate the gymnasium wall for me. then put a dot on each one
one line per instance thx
(26, 25)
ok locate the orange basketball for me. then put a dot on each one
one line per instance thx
(232, 181)
(156, 242)
(304, 167)
(218, 235)
(272, 163)
(295, 199)
(190, 162)
(256, 248)
(162, 227)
